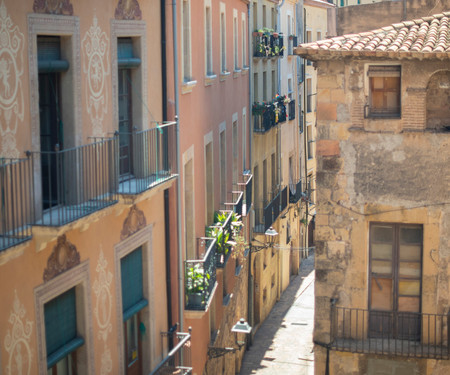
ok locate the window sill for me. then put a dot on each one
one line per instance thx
(224, 75)
(210, 79)
(188, 86)
(245, 69)
(237, 73)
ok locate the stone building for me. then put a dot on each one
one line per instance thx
(383, 216)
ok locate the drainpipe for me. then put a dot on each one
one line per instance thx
(166, 192)
(177, 109)
(305, 143)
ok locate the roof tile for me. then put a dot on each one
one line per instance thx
(429, 34)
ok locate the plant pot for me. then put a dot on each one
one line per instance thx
(275, 35)
(195, 299)
(260, 33)
(255, 33)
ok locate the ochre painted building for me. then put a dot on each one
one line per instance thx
(87, 175)
(382, 199)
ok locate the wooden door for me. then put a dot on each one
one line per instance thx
(395, 281)
(133, 355)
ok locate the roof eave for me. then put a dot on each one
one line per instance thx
(318, 54)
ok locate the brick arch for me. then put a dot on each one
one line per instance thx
(438, 99)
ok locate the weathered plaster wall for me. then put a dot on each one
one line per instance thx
(376, 170)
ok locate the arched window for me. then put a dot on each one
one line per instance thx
(438, 101)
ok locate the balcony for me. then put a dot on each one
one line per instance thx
(417, 335)
(222, 232)
(266, 216)
(292, 43)
(292, 109)
(263, 117)
(268, 45)
(246, 186)
(146, 158)
(268, 114)
(16, 201)
(74, 182)
(178, 361)
(200, 275)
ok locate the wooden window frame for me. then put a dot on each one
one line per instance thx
(387, 72)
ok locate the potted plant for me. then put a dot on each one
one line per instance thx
(197, 283)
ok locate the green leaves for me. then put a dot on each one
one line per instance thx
(197, 281)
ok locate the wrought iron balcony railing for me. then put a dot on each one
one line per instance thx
(74, 182)
(16, 201)
(235, 202)
(200, 276)
(408, 334)
(268, 46)
(295, 192)
(246, 186)
(263, 122)
(147, 158)
(178, 360)
(266, 216)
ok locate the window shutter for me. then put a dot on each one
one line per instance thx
(61, 327)
(125, 57)
(132, 291)
(49, 55)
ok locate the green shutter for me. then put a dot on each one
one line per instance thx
(125, 57)
(132, 291)
(49, 55)
(61, 327)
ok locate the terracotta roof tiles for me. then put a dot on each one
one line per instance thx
(424, 37)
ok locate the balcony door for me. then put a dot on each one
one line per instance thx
(125, 124)
(50, 66)
(395, 281)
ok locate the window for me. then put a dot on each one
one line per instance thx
(309, 95)
(265, 192)
(308, 40)
(186, 38)
(235, 40)
(255, 15)
(235, 152)
(319, 35)
(223, 39)
(274, 84)
(384, 91)
(133, 302)
(265, 86)
(223, 166)
(264, 16)
(126, 62)
(274, 173)
(310, 140)
(208, 40)
(209, 171)
(61, 334)
(395, 280)
(244, 40)
(273, 18)
(255, 87)
(189, 209)
(244, 137)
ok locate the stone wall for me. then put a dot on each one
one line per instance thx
(376, 170)
(358, 18)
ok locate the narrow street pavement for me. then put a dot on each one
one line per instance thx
(283, 343)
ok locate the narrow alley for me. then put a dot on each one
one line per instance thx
(283, 344)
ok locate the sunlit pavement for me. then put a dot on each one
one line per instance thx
(283, 343)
